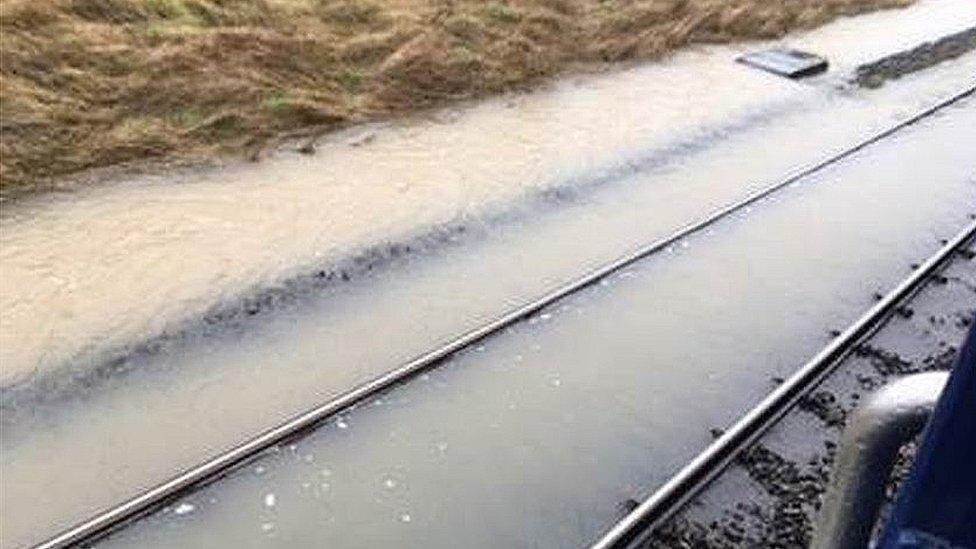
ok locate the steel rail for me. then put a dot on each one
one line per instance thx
(146, 501)
(691, 479)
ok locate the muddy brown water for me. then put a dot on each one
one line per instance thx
(540, 435)
(92, 273)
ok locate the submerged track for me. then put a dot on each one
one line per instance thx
(677, 490)
(669, 498)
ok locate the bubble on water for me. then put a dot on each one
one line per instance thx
(555, 381)
(442, 447)
(424, 377)
(267, 527)
(306, 485)
(326, 472)
(260, 470)
(342, 424)
(309, 458)
(405, 517)
(389, 483)
(670, 249)
(269, 500)
(378, 402)
(184, 508)
(325, 486)
(545, 316)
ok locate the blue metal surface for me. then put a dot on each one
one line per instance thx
(936, 507)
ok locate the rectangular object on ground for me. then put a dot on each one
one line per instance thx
(785, 62)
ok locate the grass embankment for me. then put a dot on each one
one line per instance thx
(87, 83)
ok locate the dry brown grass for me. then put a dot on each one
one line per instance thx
(88, 83)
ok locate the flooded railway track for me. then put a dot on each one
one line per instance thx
(109, 341)
(675, 490)
(733, 442)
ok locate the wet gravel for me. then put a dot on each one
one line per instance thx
(875, 74)
(825, 406)
(771, 495)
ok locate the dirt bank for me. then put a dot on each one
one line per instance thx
(89, 83)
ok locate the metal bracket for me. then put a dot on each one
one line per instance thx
(866, 456)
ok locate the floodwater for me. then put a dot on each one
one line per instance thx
(98, 405)
(538, 436)
(73, 271)
(98, 269)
